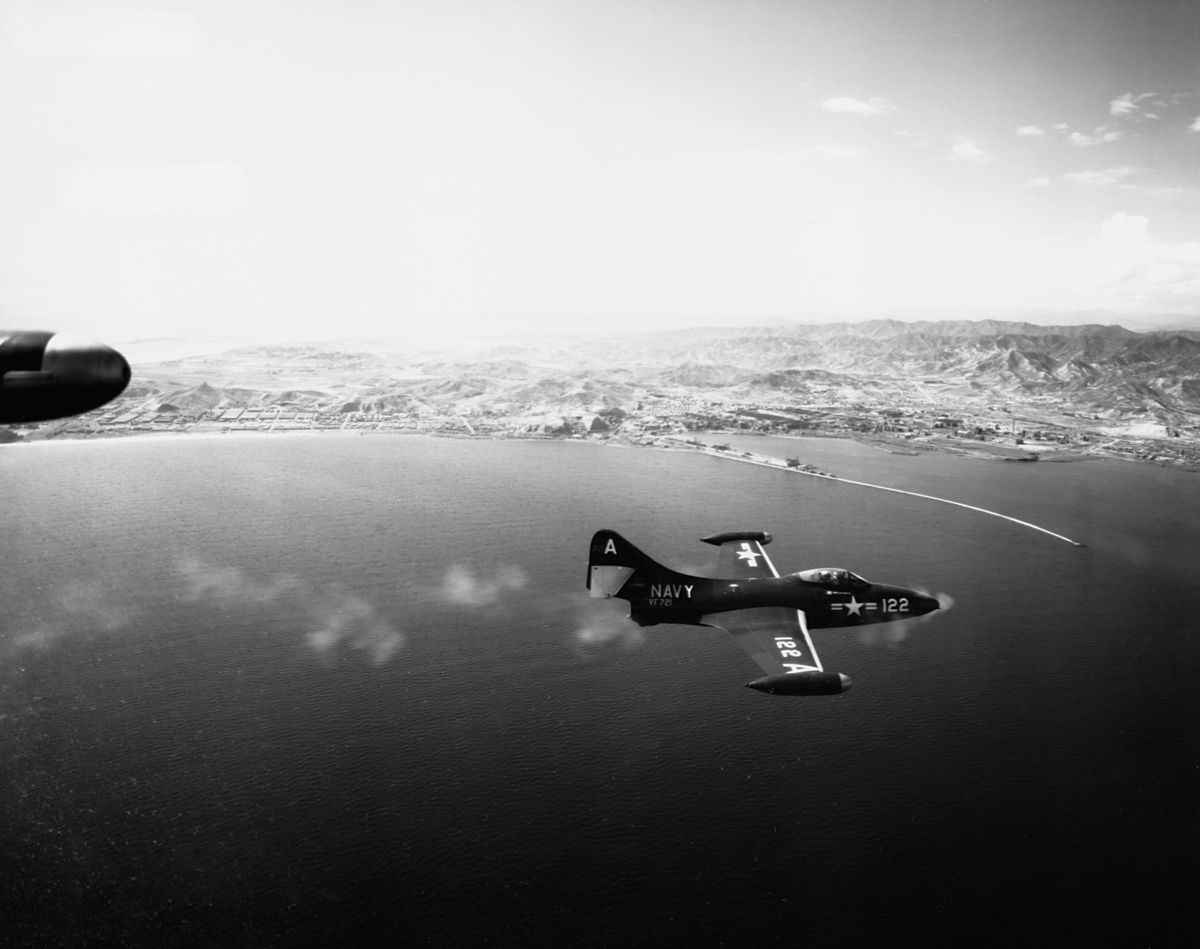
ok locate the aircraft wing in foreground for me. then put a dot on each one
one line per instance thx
(768, 615)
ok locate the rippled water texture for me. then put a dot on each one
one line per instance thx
(268, 690)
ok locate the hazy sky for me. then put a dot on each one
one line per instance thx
(313, 167)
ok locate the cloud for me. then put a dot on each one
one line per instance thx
(1120, 266)
(93, 603)
(1129, 105)
(601, 624)
(1122, 105)
(80, 608)
(833, 152)
(329, 617)
(462, 586)
(1100, 178)
(1121, 252)
(1124, 254)
(1195, 126)
(1160, 190)
(229, 586)
(344, 619)
(964, 149)
(1100, 137)
(844, 105)
(1125, 229)
(1115, 177)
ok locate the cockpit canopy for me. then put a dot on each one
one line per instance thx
(837, 578)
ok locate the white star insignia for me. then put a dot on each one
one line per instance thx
(854, 607)
(748, 555)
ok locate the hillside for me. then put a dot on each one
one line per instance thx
(1102, 370)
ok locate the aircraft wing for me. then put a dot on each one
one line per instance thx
(774, 636)
(742, 556)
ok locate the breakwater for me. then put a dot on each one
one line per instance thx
(755, 459)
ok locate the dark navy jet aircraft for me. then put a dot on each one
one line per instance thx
(768, 615)
(53, 375)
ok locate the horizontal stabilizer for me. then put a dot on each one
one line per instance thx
(606, 580)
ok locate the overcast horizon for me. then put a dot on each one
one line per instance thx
(298, 170)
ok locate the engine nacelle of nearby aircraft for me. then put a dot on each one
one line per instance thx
(54, 375)
(802, 683)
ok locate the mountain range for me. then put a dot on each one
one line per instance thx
(1102, 369)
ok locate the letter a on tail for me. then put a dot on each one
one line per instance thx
(612, 562)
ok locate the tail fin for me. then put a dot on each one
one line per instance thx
(613, 562)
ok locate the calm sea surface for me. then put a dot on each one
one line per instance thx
(339, 689)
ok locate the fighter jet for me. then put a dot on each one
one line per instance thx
(53, 375)
(770, 616)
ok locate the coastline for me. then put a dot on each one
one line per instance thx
(676, 444)
(247, 434)
(982, 451)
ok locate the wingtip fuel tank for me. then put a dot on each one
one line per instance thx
(802, 683)
(47, 376)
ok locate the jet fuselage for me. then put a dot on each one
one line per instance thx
(824, 606)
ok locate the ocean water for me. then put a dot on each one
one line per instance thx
(309, 689)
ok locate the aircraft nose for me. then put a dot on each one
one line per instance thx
(85, 362)
(926, 604)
